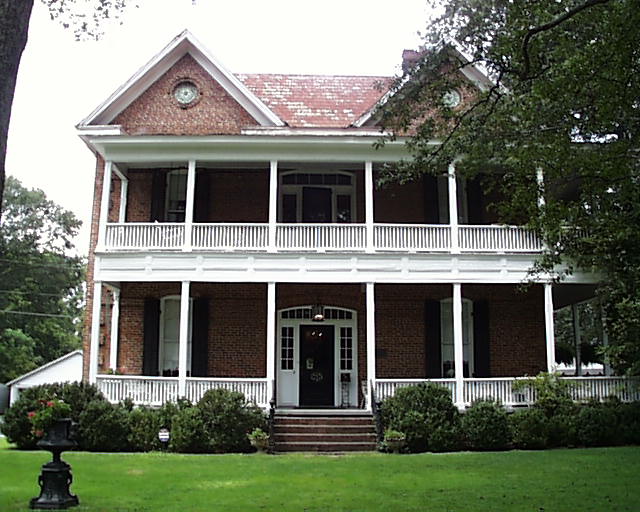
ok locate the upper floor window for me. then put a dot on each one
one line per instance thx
(176, 196)
(317, 197)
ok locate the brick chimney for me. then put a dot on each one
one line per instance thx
(409, 59)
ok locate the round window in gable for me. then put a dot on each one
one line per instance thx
(452, 98)
(186, 93)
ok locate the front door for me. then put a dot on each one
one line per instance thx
(317, 365)
(316, 204)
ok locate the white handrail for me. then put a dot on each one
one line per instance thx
(349, 237)
(412, 237)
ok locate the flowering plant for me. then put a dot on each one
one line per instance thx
(47, 413)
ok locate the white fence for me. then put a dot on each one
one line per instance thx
(318, 237)
(254, 390)
(387, 387)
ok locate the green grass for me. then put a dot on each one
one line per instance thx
(581, 480)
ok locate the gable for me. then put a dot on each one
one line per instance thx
(156, 112)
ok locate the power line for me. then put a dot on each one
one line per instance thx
(36, 264)
(29, 313)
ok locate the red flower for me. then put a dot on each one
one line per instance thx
(50, 403)
(31, 414)
(39, 433)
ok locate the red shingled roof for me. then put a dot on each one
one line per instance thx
(316, 100)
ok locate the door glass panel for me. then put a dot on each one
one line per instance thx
(343, 206)
(289, 206)
(176, 196)
(171, 335)
(286, 348)
(316, 204)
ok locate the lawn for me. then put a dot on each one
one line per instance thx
(603, 479)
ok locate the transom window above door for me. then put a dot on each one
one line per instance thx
(316, 197)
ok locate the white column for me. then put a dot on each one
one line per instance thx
(458, 350)
(577, 337)
(273, 204)
(271, 331)
(368, 204)
(184, 339)
(371, 341)
(113, 345)
(104, 205)
(124, 187)
(188, 212)
(453, 208)
(605, 342)
(549, 329)
(540, 181)
(95, 331)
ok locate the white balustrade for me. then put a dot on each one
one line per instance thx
(585, 388)
(324, 237)
(498, 389)
(412, 237)
(140, 389)
(387, 387)
(254, 390)
(230, 236)
(138, 235)
(497, 238)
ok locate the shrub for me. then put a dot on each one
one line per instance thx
(562, 429)
(144, 424)
(486, 426)
(104, 427)
(188, 434)
(228, 418)
(17, 426)
(447, 438)
(552, 392)
(629, 422)
(597, 425)
(529, 429)
(419, 411)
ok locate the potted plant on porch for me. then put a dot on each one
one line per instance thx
(259, 439)
(394, 440)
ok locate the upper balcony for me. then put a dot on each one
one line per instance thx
(301, 207)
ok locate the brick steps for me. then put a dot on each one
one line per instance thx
(324, 432)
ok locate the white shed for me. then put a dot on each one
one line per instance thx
(67, 368)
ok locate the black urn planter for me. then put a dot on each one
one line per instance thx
(55, 478)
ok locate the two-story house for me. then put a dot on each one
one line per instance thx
(239, 240)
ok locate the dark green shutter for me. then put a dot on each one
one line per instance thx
(481, 340)
(432, 339)
(158, 194)
(201, 211)
(151, 337)
(475, 200)
(431, 200)
(200, 338)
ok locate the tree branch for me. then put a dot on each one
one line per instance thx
(548, 26)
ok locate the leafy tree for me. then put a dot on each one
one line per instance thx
(41, 294)
(84, 18)
(564, 99)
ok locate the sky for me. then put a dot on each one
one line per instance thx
(61, 80)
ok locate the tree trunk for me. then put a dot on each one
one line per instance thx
(14, 26)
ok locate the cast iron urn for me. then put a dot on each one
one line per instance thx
(55, 477)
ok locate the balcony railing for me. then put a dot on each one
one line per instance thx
(318, 237)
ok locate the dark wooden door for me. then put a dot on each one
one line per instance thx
(316, 365)
(316, 204)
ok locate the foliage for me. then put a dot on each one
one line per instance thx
(553, 393)
(41, 297)
(597, 425)
(529, 429)
(563, 98)
(590, 322)
(144, 425)
(419, 411)
(228, 418)
(393, 435)
(48, 413)
(257, 434)
(189, 432)
(104, 427)
(77, 395)
(486, 426)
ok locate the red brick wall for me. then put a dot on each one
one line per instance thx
(139, 196)
(239, 196)
(156, 112)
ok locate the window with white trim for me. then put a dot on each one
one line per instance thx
(346, 348)
(176, 197)
(286, 348)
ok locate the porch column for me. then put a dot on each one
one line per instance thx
(549, 329)
(371, 342)
(368, 205)
(188, 212)
(115, 315)
(458, 350)
(184, 339)
(540, 181)
(605, 342)
(273, 204)
(577, 337)
(453, 208)
(94, 346)
(271, 331)
(104, 206)
(124, 187)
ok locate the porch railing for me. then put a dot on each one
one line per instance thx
(140, 389)
(254, 390)
(318, 237)
(387, 387)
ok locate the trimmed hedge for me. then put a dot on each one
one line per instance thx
(486, 427)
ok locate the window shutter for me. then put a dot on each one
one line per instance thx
(200, 338)
(158, 193)
(432, 339)
(431, 200)
(475, 200)
(481, 341)
(201, 209)
(151, 337)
